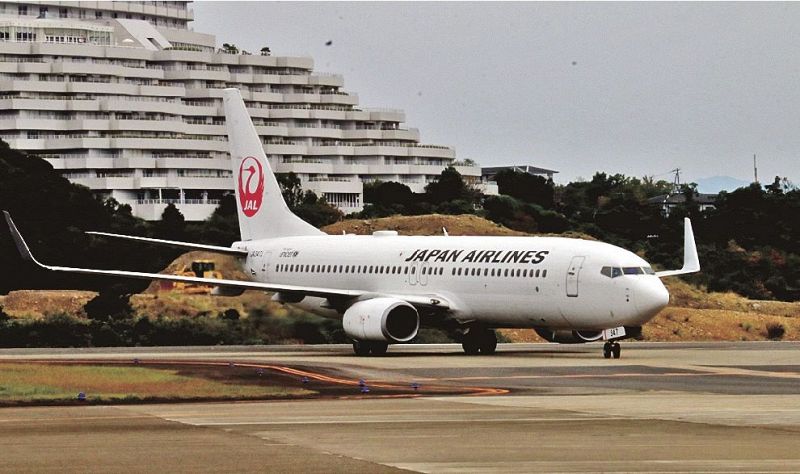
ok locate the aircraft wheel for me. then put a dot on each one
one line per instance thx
(607, 350)
(379, 348)
(616, 349)
(488, 344)
(361, 348)
(470, 347)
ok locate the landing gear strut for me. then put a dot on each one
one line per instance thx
(483, 341)
(365, 348)
(612, 348)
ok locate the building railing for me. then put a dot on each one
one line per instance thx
(177, 201)
(329, 178)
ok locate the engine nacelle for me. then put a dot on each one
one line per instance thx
(381, 319)
(566, 336)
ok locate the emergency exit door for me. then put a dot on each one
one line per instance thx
(573, 275)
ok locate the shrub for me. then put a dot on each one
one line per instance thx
(775, 331)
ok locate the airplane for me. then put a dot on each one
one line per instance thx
(384, 286)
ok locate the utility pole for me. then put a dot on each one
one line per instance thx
(755, 169)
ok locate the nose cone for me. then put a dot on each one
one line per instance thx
(651, 297)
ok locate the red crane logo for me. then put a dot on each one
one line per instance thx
(251, 186)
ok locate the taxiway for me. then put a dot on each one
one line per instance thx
(716, 407)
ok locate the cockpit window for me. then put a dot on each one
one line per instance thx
(614, 272)
(611, 272)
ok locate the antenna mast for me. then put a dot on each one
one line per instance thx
(676, 181)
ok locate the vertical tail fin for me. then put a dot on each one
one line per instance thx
(263, 213)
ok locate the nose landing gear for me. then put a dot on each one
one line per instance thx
(612, 348)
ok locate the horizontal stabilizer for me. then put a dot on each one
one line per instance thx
(691, 262)
(175, 243)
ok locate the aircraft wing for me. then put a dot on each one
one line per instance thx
(415, 300)
(691, 262)
(175, 243)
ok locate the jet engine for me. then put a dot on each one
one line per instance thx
(381, 319)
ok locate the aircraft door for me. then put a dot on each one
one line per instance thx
(264, 270)
(573, 274)
(423, 273)
(413, 274)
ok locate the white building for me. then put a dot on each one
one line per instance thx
(123, 98)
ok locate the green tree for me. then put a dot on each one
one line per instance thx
(306, 204)
(526, 187)
(291, 189)
(449, 186)
(172, 225)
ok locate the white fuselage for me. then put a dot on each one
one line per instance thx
(497, 281)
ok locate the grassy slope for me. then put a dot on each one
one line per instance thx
(693, 314)
(25, 383)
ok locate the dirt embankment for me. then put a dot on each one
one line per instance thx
(694, 314)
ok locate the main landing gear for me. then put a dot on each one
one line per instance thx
(612, 348)
(483, 341)
(366, 348)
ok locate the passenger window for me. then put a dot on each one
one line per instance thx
(544, 273)
(505, 272)
(405, 272)
(525, 273)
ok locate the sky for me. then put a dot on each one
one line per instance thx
(632, 88)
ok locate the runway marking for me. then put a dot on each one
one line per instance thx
(29, 421)
(570, 376)
(347, 421)
(698, 371)
(635, 465)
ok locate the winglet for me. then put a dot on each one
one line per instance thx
(24, 251)
(691, 262)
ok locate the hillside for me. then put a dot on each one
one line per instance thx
(693, 314)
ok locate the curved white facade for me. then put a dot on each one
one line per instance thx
(121, 97)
